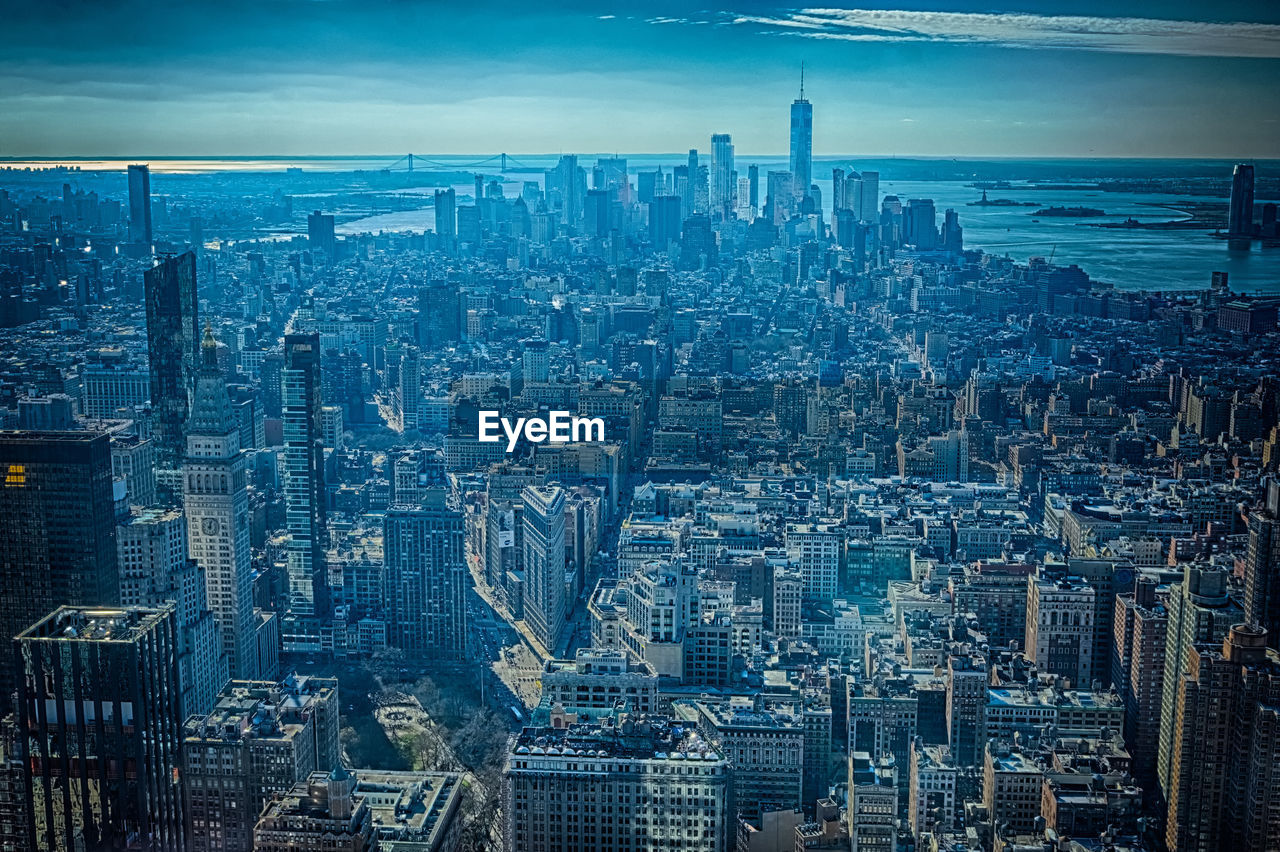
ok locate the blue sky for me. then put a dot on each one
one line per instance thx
(294, 77)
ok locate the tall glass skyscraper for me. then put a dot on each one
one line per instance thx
(173, 338)
(139, 204)
(722, 184)
(1240, 216)
(801, 143)
(304, 491)
(57, 529)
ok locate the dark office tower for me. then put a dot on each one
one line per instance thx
(1262, 566)
(721, 176)
(1226, 758)
(439, 315)
(919, 224)
(216, 498)
(753, 180)
(664, 221)
(447, 219)
(173, 338)
(424, 587)
(596, 218)
(101, 720)
(57, 529)
(304, 491)
(647, 185)
(140, 204)
(566, 189)
(801, 142)
(320, 234)
(952, 233)
(1240, 216)
(837, 191)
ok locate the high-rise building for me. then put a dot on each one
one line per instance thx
(1200, 611)
(1262, 565)
(425, 575)
(1060, 615)
(173, 343)
(668, 787)
(100, 716)
(140, 205)
(259, 740)
(446, 210)
(439, 315)
(1240, 215)
(722, 183)
(664, 221)
(1141, 628)
(1224, 782)
(543, 562)
(869, 197)
(154, 569)
(535, 362)
(753, 176)
(304, 490)
(320, 234)
(919, 224)
(780, 200)
(57, 529)
(966, 697)
(215, 495)
(801, 143)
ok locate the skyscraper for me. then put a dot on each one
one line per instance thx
(544, 588)
(215, 494)
(1240, 215)
(1225, 776)
(57, 529)
(664, 221)
(173, 341)
(320, 234)
(801, 142)
(1262, 566)
(154, 569)
(100, 707)
(304, 491)
(446, 219)
(140, 205)
(721, 176)
(869, 201)
(426, 572)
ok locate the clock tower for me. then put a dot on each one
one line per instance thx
(216, 499)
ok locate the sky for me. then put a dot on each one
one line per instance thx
(131, 78)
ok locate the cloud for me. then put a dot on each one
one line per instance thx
(1006, 29)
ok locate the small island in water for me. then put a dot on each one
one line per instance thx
(1001, 202)
(1070, 212)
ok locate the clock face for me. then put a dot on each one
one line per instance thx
(210, 526)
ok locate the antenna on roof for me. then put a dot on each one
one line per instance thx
(802, 80)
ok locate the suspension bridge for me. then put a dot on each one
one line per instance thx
(504, 163)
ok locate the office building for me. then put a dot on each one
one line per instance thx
(140, 205)
(543, 562)
(57, 529)
(765, 746)
(598, 679)
(426, 576)
(363, 810)
(259, 740)
(320, 235)
(215, 495)
(1060, 615)
(1240, 213)
(304, 490)
(933, 800)
(446, 219)
(154, 570)
(722, 177)
(99, 709)
(1262, 565)
(666, 785)
(801, 161)
(873, 804)
(173, 343)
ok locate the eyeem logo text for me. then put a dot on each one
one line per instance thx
(559, 427)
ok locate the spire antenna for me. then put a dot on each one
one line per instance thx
(802, 80)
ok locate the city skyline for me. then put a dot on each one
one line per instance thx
(339, 78)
